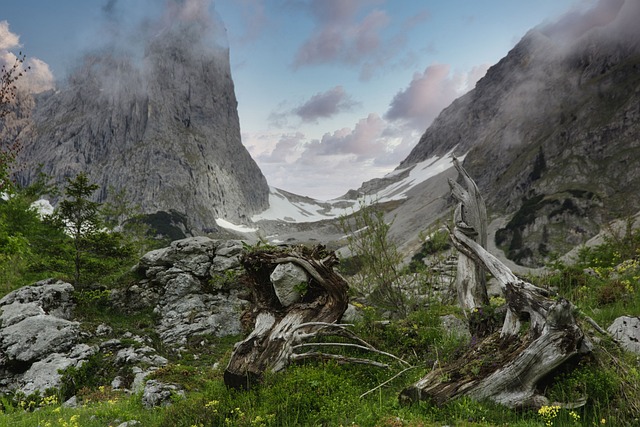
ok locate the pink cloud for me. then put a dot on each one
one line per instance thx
(338, 161)
(429, 93)
(348, 43)
(285, 150)
(362, 141)
(325, 104)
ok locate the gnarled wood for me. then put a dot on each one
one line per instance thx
(278, 329)
(470, 217)
(507, 366)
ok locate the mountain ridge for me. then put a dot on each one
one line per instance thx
(163, 127)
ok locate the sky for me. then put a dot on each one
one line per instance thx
(331, 93)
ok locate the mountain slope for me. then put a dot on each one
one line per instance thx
(163, 127)
(552, 132)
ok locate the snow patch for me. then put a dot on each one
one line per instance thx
(284, 209)
(230, 226)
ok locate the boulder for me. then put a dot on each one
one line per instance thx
(626, 330)
(35, 337)
(179, 285)
(287, 280)
(157, 393)
(45, 373)
(55, 297)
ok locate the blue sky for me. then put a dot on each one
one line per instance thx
(331, 92)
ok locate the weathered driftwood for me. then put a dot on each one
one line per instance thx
(281, 333)
(539, 334)
(470, 217)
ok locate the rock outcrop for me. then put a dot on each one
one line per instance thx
(38, 336)
(192, 288)
(164, 128)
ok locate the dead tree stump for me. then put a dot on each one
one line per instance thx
(470, 217)
(278, 328)
(539, 334)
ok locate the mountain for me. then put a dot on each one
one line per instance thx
(160, 124)
(551, 134)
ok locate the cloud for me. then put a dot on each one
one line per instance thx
(343, 42)
(38, 76)
(363, 140)
(285, 150)
(575, 23)
(329, 166)
(429, 93)
(325, 105)
(353, 33)
(255, 19)
(8, 40)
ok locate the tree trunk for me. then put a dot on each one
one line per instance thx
(508, 365)
(471, 218)
(279, 329)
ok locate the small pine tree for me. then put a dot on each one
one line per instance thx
(80, 216)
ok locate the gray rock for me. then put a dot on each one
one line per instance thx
(157, 393)
(168, 132)
(626, 330)
(130, 423)
(230, 248)
(145, 355)
(16, 312)
(287, 279)
(351, 315)
(117, 383)
(35, 337)
(103, 330)
(45, 373)
(140, 377)
(55, 297)
(223, 263)
(181, 285)
(72, 402)
(197, 314)
(455, 326)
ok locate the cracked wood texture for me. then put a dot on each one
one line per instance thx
(539, 334)
(278, 329)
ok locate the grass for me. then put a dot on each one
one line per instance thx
(603, 284)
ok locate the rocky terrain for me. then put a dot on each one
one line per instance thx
(161, 125)
(551, 134)
(189, 286)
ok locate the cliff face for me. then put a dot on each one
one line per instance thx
(552, 133)
(163, 127)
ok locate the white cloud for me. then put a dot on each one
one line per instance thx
(328, 167)
(8, 40)
(37, 76)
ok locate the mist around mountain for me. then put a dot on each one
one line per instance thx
(550, 134)
(153, 114)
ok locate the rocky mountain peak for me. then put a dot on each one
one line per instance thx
(160, 123)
